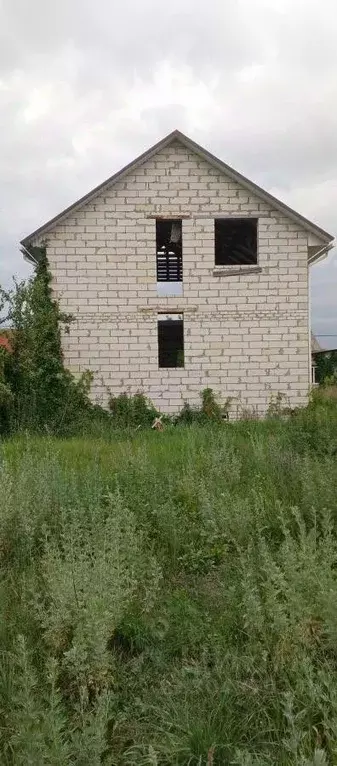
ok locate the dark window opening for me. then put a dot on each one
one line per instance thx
(170, 340)
(169, 251)
(235, 241)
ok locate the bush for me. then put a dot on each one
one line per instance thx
(132, 411)
(209, 412)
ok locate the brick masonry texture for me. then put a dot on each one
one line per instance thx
(246, 335)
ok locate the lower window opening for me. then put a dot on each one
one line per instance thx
(235, 241)
(170, 340)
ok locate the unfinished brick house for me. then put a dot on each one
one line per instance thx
(182, 274)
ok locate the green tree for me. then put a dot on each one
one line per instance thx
(45, 395)
(326, 365)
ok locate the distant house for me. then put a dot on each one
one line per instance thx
(182, 274)
(315, 348)
(5, 340)
(324, 361)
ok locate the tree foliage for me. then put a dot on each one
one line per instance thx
(36, 391)
(326, 366)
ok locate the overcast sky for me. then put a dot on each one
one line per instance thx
(86, 86)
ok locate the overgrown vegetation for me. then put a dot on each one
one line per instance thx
(170, 599)
(210, 410)
(166, 599)
(131, 411)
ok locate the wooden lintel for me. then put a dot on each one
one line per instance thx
(168, 216)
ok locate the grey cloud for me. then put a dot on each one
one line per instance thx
(134, 33)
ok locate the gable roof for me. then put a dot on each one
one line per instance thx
(176, 135)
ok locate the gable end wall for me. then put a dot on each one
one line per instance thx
(246, 335)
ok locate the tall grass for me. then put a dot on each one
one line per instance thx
(170, 598)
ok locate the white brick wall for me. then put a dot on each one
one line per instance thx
(246, 335)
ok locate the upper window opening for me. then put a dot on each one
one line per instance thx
(235, 241)
(170, 340)
(169, 250)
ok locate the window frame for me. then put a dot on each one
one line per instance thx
(231, 266)
(176, 256)
(178, 317)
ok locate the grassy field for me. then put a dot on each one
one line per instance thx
(171, 598)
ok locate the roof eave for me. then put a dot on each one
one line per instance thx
(27, 255)
(317, 254)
